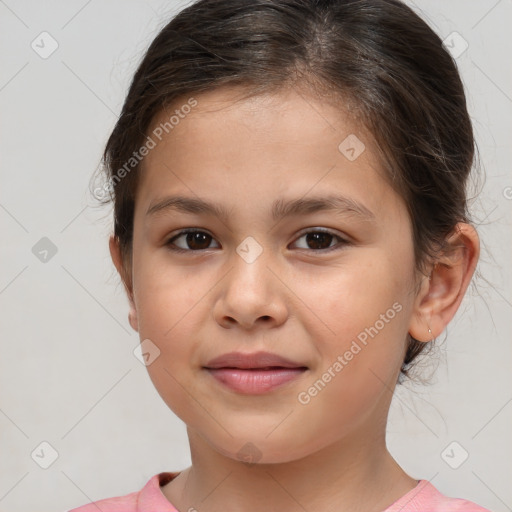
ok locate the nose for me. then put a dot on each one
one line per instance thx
(251, 295)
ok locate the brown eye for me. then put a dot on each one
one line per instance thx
(319, 240)
(193, 240)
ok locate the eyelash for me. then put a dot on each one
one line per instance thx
(342, 241)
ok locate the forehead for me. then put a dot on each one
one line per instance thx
(249, 144)
(303, 116)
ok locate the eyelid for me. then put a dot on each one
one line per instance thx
(343, 240)
(182, 232)
(329, 231)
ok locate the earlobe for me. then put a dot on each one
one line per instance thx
(441, 293)
(132, 317)
(117, 259)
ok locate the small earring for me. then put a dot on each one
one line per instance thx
(430, 332)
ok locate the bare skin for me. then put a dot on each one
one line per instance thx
(296, 299)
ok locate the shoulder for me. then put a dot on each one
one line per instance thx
(426, 497)
(127, 503)
(138, 501)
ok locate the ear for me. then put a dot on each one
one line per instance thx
(441, 293)
(115, 253)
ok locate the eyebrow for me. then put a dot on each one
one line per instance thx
(280, 208)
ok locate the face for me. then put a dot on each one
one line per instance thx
(326, 291)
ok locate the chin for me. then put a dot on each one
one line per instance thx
(260, 450)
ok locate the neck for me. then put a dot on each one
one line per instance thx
(357, 474)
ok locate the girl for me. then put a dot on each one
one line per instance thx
(291, 228)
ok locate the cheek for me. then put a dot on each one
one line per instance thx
(172, 301)
(364, 320)
(168, 317)
(359, 364)
(352, 299)
(165, 295)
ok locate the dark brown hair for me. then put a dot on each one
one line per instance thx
(378, 56)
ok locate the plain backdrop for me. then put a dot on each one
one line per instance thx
(68, 375)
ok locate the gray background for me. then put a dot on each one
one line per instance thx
(68, 375)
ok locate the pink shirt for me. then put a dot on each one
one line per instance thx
(423, 498)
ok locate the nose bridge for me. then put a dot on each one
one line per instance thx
(251, 261)
(251, 290)
(250, 250)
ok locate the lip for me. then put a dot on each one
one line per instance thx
(253, 374)
(255, 360)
